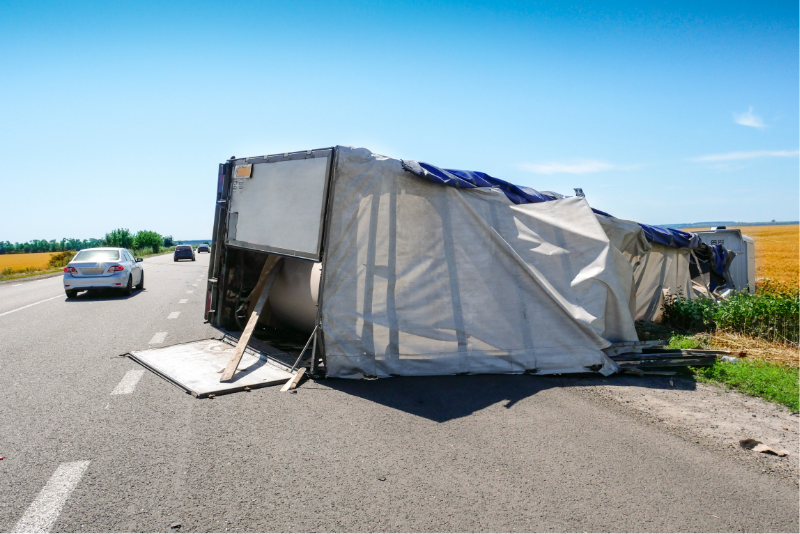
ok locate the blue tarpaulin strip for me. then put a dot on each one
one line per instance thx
(669, 237)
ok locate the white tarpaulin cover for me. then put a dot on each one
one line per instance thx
(422, 279)
(662, 270)
(629, 246)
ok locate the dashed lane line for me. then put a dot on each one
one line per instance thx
(157, 338)
(194, 285)
(190, 291)
(128, 382)
(173, 315)
(183, 301)
(29, 305)
(43, 511)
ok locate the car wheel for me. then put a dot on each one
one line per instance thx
(192, 258)
(176, 259)
(129, 287)
(71, 293)
(140, 285)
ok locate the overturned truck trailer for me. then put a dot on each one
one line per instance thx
(386, 272)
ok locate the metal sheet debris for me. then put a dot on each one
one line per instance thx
(196, 366)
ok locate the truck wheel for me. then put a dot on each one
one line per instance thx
(71, 293)
(140, 285)
(129, 286)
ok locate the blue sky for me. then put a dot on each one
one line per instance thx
(116, 114)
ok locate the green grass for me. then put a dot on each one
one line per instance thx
(769, 381)
(685, 342)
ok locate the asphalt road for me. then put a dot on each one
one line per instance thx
(480, 453)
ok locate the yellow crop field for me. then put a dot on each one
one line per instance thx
(777, 250)
(36, 260)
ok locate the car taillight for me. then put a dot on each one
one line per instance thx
(69, 269)
(115, 268)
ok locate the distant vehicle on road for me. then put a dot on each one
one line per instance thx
(183, 252)
(203, 248)
(96, 268)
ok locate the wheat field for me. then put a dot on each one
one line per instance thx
(37, 260)
(777, 250)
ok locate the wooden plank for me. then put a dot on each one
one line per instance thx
(262, 279)
(652, 343)
(292, 383)
(631, 347)
(271, 274)
(668, 362)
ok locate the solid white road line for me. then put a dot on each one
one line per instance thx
(43, 512)
(183, 301)
(158, 337)
(16, 285)
(128, 382)
(29, 305)
(173, 315)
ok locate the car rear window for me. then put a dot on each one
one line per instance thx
(183, 247)
(97, 255)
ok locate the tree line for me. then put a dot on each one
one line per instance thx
(120, 237)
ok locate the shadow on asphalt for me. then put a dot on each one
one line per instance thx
(94, 295)
(444, 398)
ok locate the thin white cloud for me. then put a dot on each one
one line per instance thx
(731, 156)
(579, 167)
(749, 119)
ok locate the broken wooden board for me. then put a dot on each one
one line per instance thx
(292, 384)
(195, 366)
(631, 346)
(667, 362)
(268, 273)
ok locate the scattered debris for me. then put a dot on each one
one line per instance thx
(382, 478)
(730, 359)
(756, 446)
(175, 525)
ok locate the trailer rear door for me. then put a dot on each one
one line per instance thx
(277, 203)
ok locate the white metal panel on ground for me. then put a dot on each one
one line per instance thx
(197, 366)
(280, 206)
(428, 280)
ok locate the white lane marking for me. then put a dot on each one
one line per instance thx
(173, 315)
(29, 305)
(194, 285)
(183, 301)
(128, 382)
(158, 337)
(16, 285)
(43, 511)
(190, 291)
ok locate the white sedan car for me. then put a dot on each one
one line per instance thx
(95, 268)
